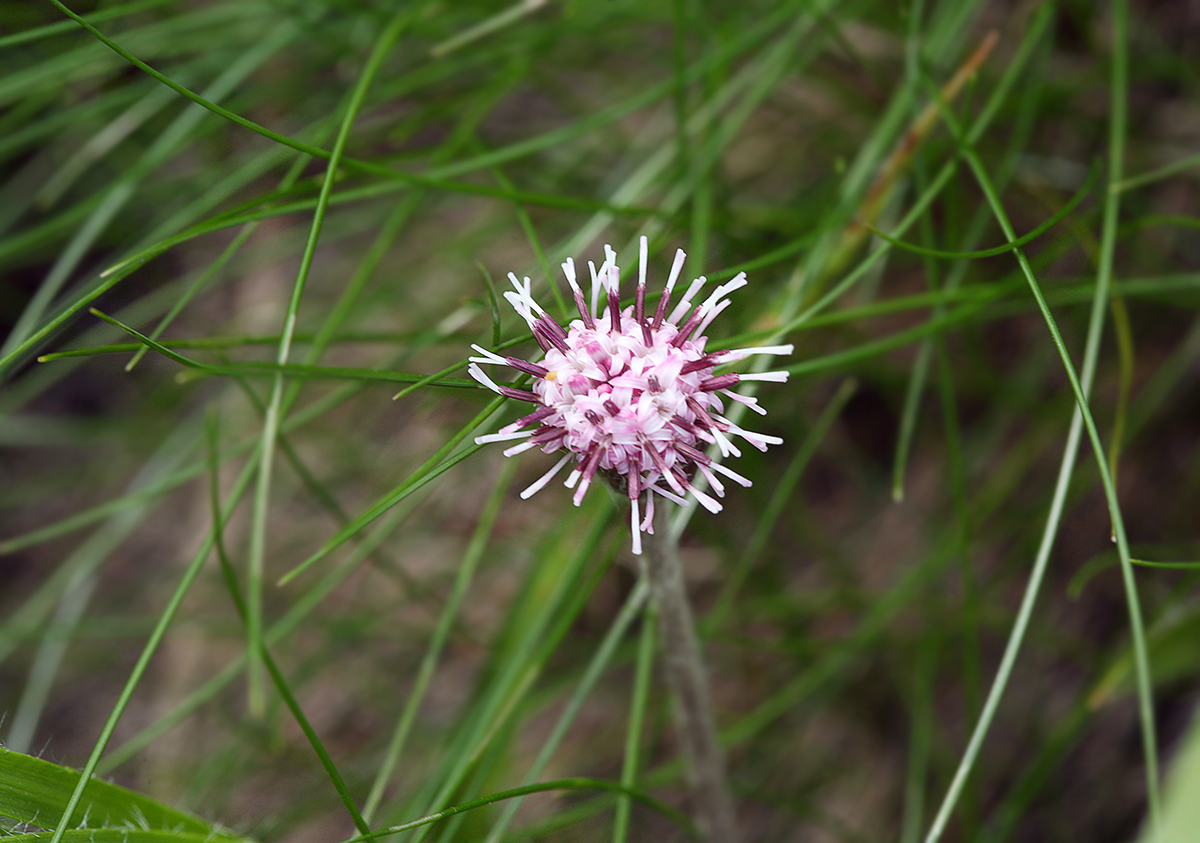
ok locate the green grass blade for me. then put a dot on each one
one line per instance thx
(160, 629)
(591, 675)
(638, 707)
(443, 460)
(775, 506)
(257, 549)
(24, 335)
(462, 581)
(667, 811)
(52, 29)
(1080, 389)
(1057, 217)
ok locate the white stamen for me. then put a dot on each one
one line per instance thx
(642, 245)
(717, 485)
(671, 496)
(749, 400)
(685, 304)
(724, 444)
(503, 437)
(518, 449)
(541, 482)
(519, 305)
(743, 353)
(474, 371)
(705, 501)
(674, 483)
(710, 316)
(676, 268)
(579, 493)
(596, 274)
(773, 377)
(569, 271)
(647, 525)
(732, 475)
(735, 283)
(758, 440)
(525, 291)
(488, 356)
(635, 527)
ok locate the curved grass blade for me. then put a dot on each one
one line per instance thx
(116, 198)
(1174, 168)
(439, 463)
(775, 506)
(258, 518)
(1081, 419)
(287, 370)
(676, 817)
(554, 594)
(595, 669)
(139, 669)
(462, 581)
(289, 623)
(1054, 220)
(280, 681)
(1177, 566)
(1124, 336)
(52, 29)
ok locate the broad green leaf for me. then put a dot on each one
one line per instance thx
(116, 835)
(36, 792)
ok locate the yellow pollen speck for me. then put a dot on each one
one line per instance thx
(551, 375)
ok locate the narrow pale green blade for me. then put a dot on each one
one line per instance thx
(1181, 812)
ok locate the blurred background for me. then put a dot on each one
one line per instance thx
(446, 640)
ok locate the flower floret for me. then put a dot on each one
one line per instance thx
(627, 393)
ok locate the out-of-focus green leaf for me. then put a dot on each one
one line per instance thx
(1173, 652)
(1181, 814)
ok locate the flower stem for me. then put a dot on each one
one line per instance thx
(688, 679)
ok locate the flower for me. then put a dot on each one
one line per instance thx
(629, 394)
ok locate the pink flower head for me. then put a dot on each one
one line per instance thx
(629, 394)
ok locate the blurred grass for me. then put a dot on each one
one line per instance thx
(283, 204)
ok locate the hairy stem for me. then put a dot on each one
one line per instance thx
(688, 679)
